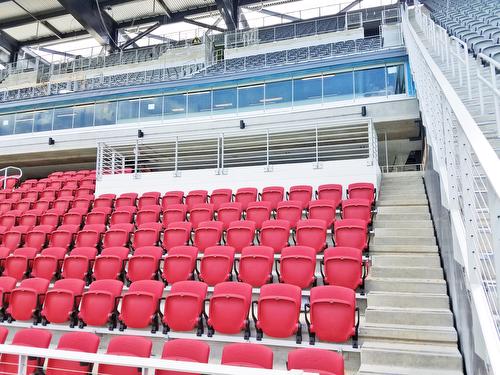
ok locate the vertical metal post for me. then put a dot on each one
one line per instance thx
(316, 146)
(113, 155)
(176, 157)
(218, 156)
(5, 179)
(22, 365)
(467, 72)
(495, 97)
(480, 89)
(123, 164)
(136, 158)
(98, 165)
(267, 151)
(460, 79)
(386, 152)
(222, 153)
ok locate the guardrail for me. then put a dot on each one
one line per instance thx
(146, 366)
(468, 167)
(7, 172)
(401, 168)
(303, 143)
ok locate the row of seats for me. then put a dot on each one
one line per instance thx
(343, 266)
(331, 313)
(245, 355)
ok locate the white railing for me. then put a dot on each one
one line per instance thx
(147, 366)
(313, 142)
(401, 168)
(7, 172)
(491, 83)
(469, 170)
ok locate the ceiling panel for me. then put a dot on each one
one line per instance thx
(10, 10)
(35, 6)
(30, 31)
(179, 5)
(135, 10)
(65, 24)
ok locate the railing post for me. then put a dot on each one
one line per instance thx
(494, 209)
(495, 97)
(268, 167)
(22, 365)
(467, 72)
(222, 153)
(460, 78)
(480, 89)
(98, 165)
(136, 158)
(176, 158)
(316, 147)
(218, 156)
(113, 156)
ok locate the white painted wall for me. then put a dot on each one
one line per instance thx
(287, 44)
(341, 172)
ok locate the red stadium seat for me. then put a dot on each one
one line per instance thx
(255, 265)
(323, 210)
(240, 234)
(103, 202)
(145, 237)
(119, 217)
(7, 284)
(184, 350)
(220, 196)
(258, 212)
(184, 307)
(128, 346)
(229, 308)
(74, 341)
(176, 234)
(61, 302)
(127, 227)
(312, 233)
(275, 233)
(139, 307)
(229, 212)
(99, 303)
(273, 195)
(61, 238)
(301, 193)
(74, 218)
(362, 190)
(96, 217)
(247, 355)
(174, 213)
(330, 192)
(216, 265)
(79, 263)
(47, 265)
(87, 238)
(17, 264)
(29, 219)
(297, 266)
(12, 239)
(111, 263)
(196, 197)
(200, 213)
(208, 233)
(26, 300)
(278, 311)
(351, 233)
(150, 214)
(36, 338)
(144, 264)
(8, 220)
(172, 197)
(344, 266)
(3, 334)
(115, 237)
(35, 239)
(245, 196)
(357, 209)
(151, 198)
(125, 201)
(179, 264)
(321, 361)
(290, 211)
(332, 313)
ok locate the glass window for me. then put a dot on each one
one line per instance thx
(6, 124)
(151, 107)
(338, 86)
(369, 82)
(251, 98)
(24, 123)
(307, 89)
(175, 105)
(63, 118)
(225, 100)
(396, 80)
(105, 113)
(84, 116)
(128, 110)
(199, 103)
(43, 120)
(278, 94)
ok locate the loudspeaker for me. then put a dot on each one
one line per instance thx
(140, 133)
(51, 141)
(242, 124)
(363, 111)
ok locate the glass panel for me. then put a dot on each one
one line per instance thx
(128, 110)
(63, 118)
(396, 80)
(251, 98)
(6, 124)
(151, 107)
(175, 105)
(369, 82)
(105, 113)
(225, 100)
(307, 90)
(338, 86)
(278, 94)
(199, 103)
(84, 116)
(43, 120)
(24, 123)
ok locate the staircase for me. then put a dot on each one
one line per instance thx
(408, 326)
(486, 121)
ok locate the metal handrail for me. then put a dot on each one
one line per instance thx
(4, 173)
(494, 65)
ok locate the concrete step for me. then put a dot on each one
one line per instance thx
(403, 249)
(401, 217)
(438, 358)
(407, 272)
(402, 300)
(409, 316)
(385, 223)
(403, 240)
(422, 209)
(394, 370)
(406, 260)
(380, 284)
(402, 201)
(414, 231)
(409, 333)
(395, 175)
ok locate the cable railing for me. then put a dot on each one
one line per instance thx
(9, 173)
(314, 143)
(468, 167)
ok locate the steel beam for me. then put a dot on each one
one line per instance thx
(274, 14)
(8, 44)
(204, 25)
(229, 10)
(139, 36)
(350, 6)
